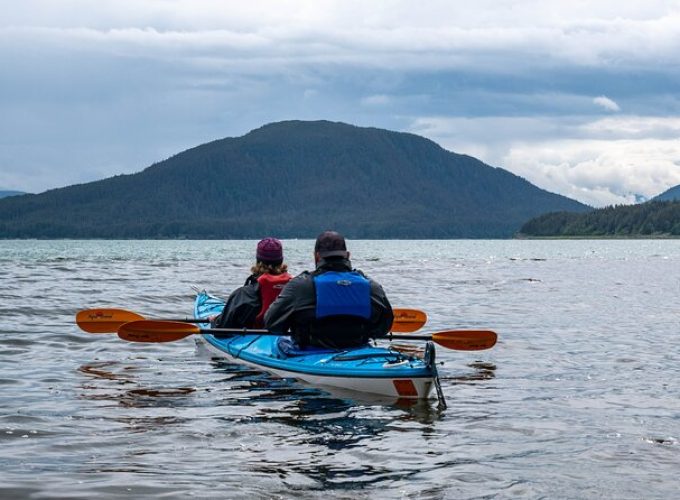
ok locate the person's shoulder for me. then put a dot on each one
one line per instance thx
(374, 283)
(300, 280)
(303, 277)
(247, 289)
(252, 279)
(361, 273)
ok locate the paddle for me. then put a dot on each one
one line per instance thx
(168, 331)
(408, 320)
(110, 320)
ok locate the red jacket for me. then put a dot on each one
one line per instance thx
(247, 305)
(270, 288)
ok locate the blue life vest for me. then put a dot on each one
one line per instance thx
(342, 293)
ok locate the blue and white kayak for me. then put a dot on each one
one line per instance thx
(367, 369)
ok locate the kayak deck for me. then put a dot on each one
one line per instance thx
(368, 369)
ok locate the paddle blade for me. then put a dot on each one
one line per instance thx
(104, 320)
(156, 331)
(408, 320)
(466, 340)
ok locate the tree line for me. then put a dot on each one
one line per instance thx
(654, 218)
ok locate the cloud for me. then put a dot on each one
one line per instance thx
(95, 89)
(599, 172)
(597, 161)
(375, 100)
(606, 103)
(506, 39)
(631, 127)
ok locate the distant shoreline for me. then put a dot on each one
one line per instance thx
(311, 238)
(600, 237)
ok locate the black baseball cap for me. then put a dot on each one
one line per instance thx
(330, 244)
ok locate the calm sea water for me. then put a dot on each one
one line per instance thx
(579, 399)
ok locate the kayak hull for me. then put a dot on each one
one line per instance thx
(398, 387)
(367, 369)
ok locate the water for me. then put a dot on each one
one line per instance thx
(579, 399)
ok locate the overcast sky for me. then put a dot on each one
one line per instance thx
(579, 97)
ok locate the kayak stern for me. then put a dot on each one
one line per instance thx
(366, 369)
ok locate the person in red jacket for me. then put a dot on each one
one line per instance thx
(246, 305)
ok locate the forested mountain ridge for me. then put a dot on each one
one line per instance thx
(4, 194)
(653, 218)
(293, 179)
(669, 195)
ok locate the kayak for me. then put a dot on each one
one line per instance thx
(366, 369)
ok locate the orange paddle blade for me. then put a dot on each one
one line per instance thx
(156, 331)
(104, 320)
(408, 320)
(466, 340)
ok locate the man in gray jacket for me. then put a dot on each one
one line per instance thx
(333, 306)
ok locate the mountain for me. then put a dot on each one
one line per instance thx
(654, 218)
(670, 195)
(293, 179)
(4, 194)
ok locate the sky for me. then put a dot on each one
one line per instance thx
(581, 98)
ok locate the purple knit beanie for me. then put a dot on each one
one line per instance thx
(269, 251)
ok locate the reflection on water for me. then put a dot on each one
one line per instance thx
(315, 420)
(98, 370)
(139, 397)
(323, 422)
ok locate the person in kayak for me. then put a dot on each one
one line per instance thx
(247, 305)
(334, 306)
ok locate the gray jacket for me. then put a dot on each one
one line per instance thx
(295, 310)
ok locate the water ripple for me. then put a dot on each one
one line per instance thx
(577, 400)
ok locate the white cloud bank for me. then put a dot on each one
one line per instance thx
(599, 173)
(437, 35)
(598, 162)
